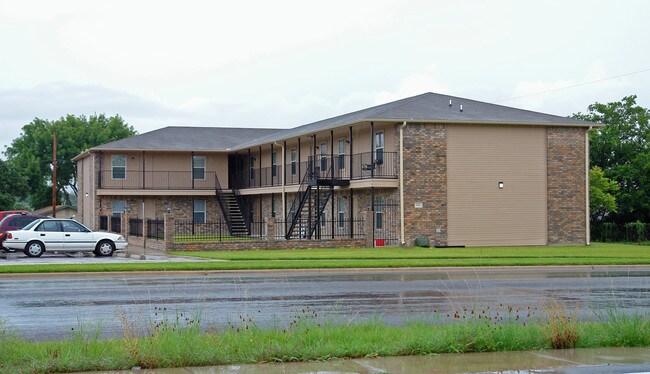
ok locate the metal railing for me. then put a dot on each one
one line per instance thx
(357, 166)
(156, 229)
(342, 229)
(157, 180)
(135, 227)
(186, 231)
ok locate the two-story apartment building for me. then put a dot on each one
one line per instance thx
(458, 171)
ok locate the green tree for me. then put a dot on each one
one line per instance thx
(12, 185)
(601, 199)
(31, 152)
(622, 150)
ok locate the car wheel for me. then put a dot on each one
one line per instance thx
(105, 248)
(34, 249)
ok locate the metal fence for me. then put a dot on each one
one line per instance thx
(187, 231)
(325, 229)
(135, 227)
(628, 232)
(103, 223)
(116, 224)
(156, 229)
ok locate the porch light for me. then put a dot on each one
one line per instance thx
(500, 185)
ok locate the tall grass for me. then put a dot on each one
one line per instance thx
(182, 341)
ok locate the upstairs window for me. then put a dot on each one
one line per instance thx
(379, 148)
(118, 167)
(323, 157)
(341, 159)
(274, 165)
(198, 167)
(293, 161)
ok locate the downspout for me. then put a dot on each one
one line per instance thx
(284, 164)
(401, 182)
(587, 223)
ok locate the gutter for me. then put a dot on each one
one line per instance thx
(401, 182)
(587, 223)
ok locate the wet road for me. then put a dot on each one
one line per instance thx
(55, 307)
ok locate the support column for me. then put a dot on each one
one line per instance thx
(168, 219)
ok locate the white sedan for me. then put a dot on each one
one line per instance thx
(62, 235)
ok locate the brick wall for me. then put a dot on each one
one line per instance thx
(566, 185)
(425, 181)
(246, 245)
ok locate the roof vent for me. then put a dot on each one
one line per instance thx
(449, 102)
(461, 107)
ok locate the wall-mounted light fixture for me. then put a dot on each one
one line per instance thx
(86, 194)
(500, 185)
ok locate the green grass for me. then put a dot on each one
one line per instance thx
(596, 254)
(187, 344)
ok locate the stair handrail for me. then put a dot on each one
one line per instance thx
(299, 199)
(243, 208)
(222, 203)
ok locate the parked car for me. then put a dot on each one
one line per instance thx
(5, 213)
(62, 235)
(15, 222)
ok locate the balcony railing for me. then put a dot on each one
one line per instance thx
(156, 180)
(357, 166)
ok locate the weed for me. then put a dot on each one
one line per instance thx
(562, 329)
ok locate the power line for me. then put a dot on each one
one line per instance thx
(575, 85)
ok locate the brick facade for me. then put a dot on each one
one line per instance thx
(425, 182)
(566, 185)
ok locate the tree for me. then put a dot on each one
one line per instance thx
(12, 185)
(601, 199)
(622, 150)
(31, 152)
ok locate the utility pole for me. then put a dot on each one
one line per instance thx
(54, 178)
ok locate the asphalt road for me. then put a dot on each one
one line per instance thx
(52, 307)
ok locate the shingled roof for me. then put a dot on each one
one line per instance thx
(428, 107)
(178, 138)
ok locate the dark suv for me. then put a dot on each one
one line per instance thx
(15, 222)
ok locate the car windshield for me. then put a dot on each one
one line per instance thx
(30, 225)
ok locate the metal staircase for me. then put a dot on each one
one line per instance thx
(316, 189)
(232, 205)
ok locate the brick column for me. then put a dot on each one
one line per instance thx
(169, 231)
(270, 228)
(368, 227)
(124, 225)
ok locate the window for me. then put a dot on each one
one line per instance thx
(71, 226)
(379, 212)
(118, 207)
(199, 211)
(251, 162)
(293, 161)
(341, 154)
(379, 148)
(274, 165)
(323, 157)
(272, 205)
(342, 202)
(51, 226)
(118, 167)
(198, 167)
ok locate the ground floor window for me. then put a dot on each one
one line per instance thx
(118, 207)
(199, 211)
(379, 212)
(341, 211)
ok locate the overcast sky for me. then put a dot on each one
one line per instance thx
(287, 63)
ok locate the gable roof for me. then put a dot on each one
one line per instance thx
(178, 138)
(431, 108)
(425, 108)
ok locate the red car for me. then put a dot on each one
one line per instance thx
(15, 222)
(5, 213)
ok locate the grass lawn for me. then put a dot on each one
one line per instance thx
(596, 254)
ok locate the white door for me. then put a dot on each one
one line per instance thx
(49, 232)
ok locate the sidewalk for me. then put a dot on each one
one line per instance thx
(600, 360)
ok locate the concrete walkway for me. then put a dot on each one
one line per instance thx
(601, 360)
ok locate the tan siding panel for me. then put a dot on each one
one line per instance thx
(479, 213)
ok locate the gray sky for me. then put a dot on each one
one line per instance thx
(286, 63)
